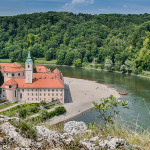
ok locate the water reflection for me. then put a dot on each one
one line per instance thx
(138, 92)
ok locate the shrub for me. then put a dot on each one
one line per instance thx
(43, 114)
(22, 113)
(60, 110)
(108, 108)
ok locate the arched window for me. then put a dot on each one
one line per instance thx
(18, 74)
(13, 74)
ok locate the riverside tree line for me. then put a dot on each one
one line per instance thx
(114, 41)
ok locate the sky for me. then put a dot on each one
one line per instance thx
(15, 7)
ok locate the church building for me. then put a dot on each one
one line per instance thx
(21, 84)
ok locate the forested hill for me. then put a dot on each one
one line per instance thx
(69, 37)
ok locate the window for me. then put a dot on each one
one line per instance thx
(52, 94)
(44, 90)
(32, 98)
(28, 66)
(57, 94)
(52, 90)
(48, 94)
(40, 94)
(7, 74)
(32, 94)
(28, 94)
(40, 89)
(20, 95)
(12, 74)
(32, 90)
(18, 74)
(48, 90)
(36, 89)
(36, 94)
(61, 94)
(18, 90)
(22, 90)
(28, 89)
(15, 93)
(10, 86)
(44, 94)
(57, 90)
(60, 89)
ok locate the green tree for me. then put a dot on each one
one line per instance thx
(109, 108)
(123, 68)
(77, 62)
(108, 64)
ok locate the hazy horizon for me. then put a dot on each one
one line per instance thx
(17, 7)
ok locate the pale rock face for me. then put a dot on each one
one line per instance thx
(54, 138)
(113, 143)
(19, 148)
(90, 143)
(5, 118)
(10, 131)
(73, 127)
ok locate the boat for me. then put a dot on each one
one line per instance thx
(127, 77)
(126, 93)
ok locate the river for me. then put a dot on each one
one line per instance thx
(138, 93)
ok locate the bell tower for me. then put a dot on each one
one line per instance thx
(29, 69)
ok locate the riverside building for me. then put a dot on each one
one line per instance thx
(21, 84)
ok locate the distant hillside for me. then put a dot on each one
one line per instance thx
(68, 37)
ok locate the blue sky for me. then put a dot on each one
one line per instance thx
(14, 7)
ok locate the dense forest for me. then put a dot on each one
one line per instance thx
(115, 41)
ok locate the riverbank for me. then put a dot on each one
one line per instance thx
(79, 95)
(89, 68)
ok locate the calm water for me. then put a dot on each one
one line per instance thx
(138, 93)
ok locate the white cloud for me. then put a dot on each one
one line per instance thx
(70, 6)
(74, 2)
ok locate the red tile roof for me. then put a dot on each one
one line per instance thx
(44, 76)
(42, 69)
(14, 67)
(11, 82)
(38, 83)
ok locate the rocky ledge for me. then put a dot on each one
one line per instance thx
(57, 141)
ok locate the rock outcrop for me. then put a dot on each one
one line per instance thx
(73, 128)
(10, 131)
(56, 141)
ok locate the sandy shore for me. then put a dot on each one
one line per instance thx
(79, 95)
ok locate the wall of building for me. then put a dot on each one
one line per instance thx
(11, 93)
(38, 95)
(10, 75)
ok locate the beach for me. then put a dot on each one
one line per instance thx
(79, 95)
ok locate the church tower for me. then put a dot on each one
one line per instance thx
(29, 69)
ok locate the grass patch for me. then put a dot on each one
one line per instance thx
(5, 61)
(43, 61)
(3, 106)
(145, 73)
(31, 109)
(39, 119)
(26, 128)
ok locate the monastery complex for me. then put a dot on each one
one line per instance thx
(21, 84)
